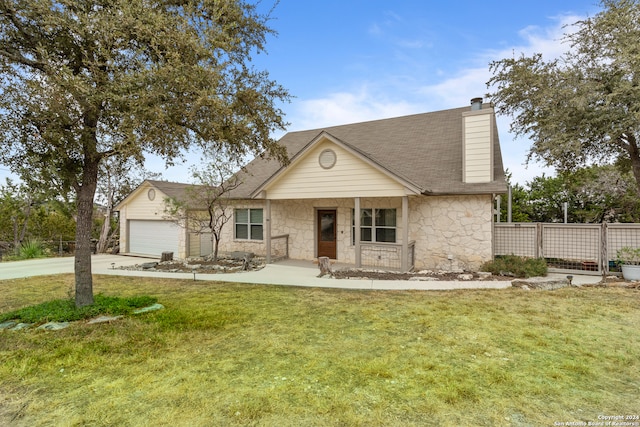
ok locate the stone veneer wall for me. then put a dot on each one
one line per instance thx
(451, 226)
(227, 242)
(442, 226)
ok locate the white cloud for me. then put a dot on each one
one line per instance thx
(346, 107)
(370, 102)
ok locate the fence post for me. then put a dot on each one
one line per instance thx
(539, 250)
(604, 253)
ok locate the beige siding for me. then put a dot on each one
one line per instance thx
(140, 207)
(477, 149)
(194, 245)
(349, 177)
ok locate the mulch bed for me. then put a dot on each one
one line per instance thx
(437, 275)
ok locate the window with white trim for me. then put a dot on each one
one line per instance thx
(376, 225)
(248, 224)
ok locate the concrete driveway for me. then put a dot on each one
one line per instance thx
(44, 266)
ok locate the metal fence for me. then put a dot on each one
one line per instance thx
(584, 248)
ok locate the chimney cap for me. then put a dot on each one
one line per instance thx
(476, 103)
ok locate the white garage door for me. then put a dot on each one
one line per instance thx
(153, 237)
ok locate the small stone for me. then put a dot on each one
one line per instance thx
(148, 265)
(153, 307)
(7, 325)
(54, 326)
(423, 279)
(544, 283)
(21, 326)
(465, 276)
(484, 275)
(103, 319)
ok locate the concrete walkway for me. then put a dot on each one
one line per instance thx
(290, 273)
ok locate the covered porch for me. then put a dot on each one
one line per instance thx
(305, 229)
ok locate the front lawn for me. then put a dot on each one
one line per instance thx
(231, 354)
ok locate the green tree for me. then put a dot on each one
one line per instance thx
(519, 202)
(593, 195)
(17, 205)
(582, 107)
(82, 81)
(116, 179)
(547, 196)
(603, 194)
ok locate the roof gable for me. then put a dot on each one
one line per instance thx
(329, 168)
(422, 149)
(350, 174)
(167, 189)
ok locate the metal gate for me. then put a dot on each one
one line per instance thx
(571, 248)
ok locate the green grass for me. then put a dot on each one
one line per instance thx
(64, 310)
(237, 355)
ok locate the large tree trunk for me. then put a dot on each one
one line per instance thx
(86, 193)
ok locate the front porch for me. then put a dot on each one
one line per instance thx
(306, 229)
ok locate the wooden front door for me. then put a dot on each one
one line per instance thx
(327, 233)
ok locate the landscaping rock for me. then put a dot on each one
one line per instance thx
(153, 307)
(544, 283)
(21, 326)
(7, 325)
(104, 319)
(465, 276)
(148, 265)
(240, 255)
(423, 279)
(205, 265)
(54, 326)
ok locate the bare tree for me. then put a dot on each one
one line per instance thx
(206, 206)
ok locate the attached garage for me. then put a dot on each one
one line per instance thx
(151, 238)
(144, 229)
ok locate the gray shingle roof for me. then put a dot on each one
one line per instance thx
(423, 149)
(171, 189)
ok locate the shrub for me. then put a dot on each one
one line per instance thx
(512, 265)
(628, 256)
(32, 248)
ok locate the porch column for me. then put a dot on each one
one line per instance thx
(356, 232)
(405, 233)
(267, 238)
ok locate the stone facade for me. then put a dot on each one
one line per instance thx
(450, 232)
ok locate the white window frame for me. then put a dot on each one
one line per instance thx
(373, 227)
(248, 224)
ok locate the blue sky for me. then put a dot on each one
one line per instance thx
(354, 60)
